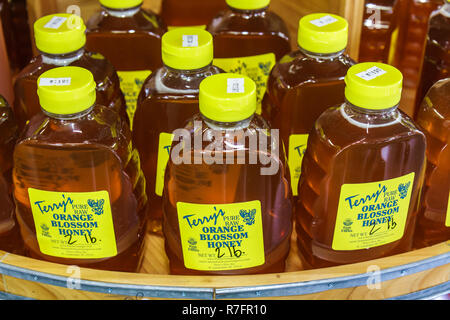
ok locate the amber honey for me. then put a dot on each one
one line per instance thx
(433, 224)
(362, 175)
(79, 189)
(190, 13)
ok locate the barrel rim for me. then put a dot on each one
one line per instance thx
(422, 262)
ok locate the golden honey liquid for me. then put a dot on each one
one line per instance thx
(167, 100)
(109, 94)
(409, 49)
(436, 64)
(434, 119)
(348, 146)
(241, 33)
(10, 239)
(87, 154)
(379, 23)
(230, 183)
(190, 13)
(300, 89)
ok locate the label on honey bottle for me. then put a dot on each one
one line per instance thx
(221, 236)
(165, 142)
(297, 148)
(75, 225)
(256, 67)
(447, 218)
(131, 83)
(372, 214)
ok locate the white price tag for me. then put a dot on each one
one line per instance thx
(48, 82)
(324, 21)
(235, 85)
(190, 41)
(371, 73)
(55, 23)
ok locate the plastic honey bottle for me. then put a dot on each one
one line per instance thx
(306, 83)
(129, 37)
(433, 223)
(226, 209)
(197, 13)
(61, 39)
(380, 26)
(249, 39)
(362, 174)
(436, 65)
(169, 97)
(10, 239)
(6, 89)
(407, 54)
(79, 191)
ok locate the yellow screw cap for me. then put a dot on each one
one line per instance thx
(59, 33)
(227, 97)
(66, 90)
(121, 4)
(248, 4)
(187, 48)
(374, 86)
(323, 33)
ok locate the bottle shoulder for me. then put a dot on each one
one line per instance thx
(342, 129)
(297, 68)
(101, 126)
(229, 21)
(143, 21)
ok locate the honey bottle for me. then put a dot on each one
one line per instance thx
(407, 55)
(379, 24)
(79, 190)
(227, 201)
(6, 89)
(433, 222)
(197, 13)
(249, 39)
(61, 39)
(436, 64)
(306, 83)
(10, 239)
(362, 174)
(169, 97)
(129, 37)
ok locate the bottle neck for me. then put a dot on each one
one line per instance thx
(227, 126)
(68, 117)
(367, 118)
(122, 13)
(322, 56)
(62, 59)
(248, 12)
(171, 80)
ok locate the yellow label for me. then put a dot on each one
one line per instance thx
(256, 67)
(447, 218)
(221, 236)
(76, 225)
(372, 214)
(297, 148)
(165, 142)
(131, 83)
(203, 27)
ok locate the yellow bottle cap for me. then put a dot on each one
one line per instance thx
(248, 4)
(323, 33)
(375, 86)
(66, 90)
(59, 33)
(121, 4)
(187, 48)
(227, 97)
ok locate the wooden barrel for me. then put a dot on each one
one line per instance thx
(418, 274)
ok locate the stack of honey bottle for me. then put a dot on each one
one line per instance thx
(211, 132)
